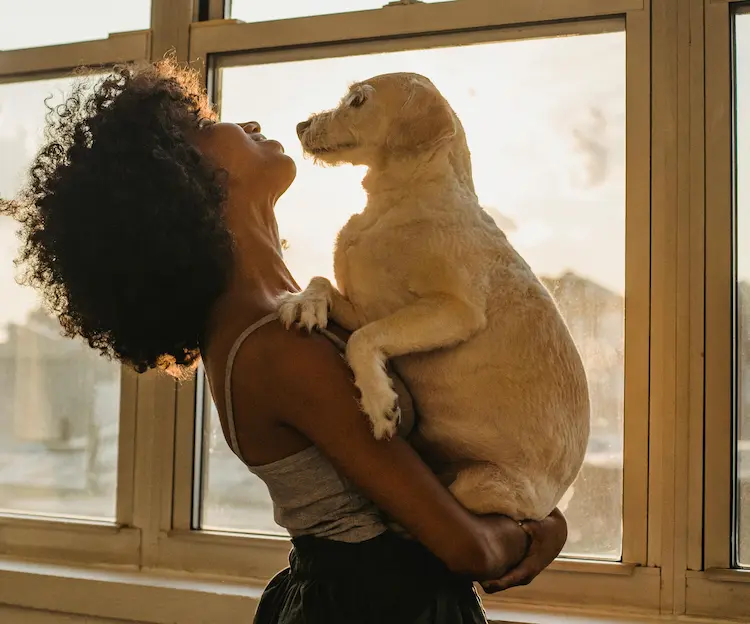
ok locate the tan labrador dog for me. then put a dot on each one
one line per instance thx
(426, 277)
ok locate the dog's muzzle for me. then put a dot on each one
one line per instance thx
(302, 126)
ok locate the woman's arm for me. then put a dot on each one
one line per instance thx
(308, 386)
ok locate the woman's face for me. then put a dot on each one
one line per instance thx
(257, 167)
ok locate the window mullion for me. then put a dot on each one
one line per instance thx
(184, 452)
(218, 9)
(719, 285)
(637, 286)
(155, 421)
(170, 27)
(695, 481)
(126, 451)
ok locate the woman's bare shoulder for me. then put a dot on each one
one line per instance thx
(266, 368)
(278, 351)
(278, 373)
(310, 366)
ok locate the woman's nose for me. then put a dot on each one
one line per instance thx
(302, 126)
(251, 127)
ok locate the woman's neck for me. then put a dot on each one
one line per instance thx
(259, 274)
(260, 271)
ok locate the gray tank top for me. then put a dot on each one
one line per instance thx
(309, 496)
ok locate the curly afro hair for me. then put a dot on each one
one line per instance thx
(122, 224)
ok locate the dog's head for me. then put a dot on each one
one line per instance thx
(392, 114)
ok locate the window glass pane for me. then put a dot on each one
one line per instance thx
(33, 23)
(545, 121)
(59, 400)
(743, 286)
(233, 498)
(258, 11)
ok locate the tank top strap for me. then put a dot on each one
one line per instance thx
(228, 379)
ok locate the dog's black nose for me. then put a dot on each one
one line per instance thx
(302, 126)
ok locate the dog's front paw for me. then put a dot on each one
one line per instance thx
(386, 426)
(310, 310)
(381, 406)
(378, 400)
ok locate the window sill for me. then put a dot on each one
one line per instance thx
(125, 594)
(68, 540)
(164, 598)
(731, 576)
(719, 593)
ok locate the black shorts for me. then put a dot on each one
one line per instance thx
(385, 580)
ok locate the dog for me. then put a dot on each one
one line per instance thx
(426, 277)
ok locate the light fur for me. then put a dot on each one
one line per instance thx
(426, 277)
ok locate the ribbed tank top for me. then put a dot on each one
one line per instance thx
(309, 496)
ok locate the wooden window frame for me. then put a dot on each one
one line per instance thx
(631, 584)
(713, 586)
(144, 399)
(678, 429)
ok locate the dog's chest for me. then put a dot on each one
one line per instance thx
(365, 273)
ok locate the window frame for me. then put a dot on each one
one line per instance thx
(677, 530)
(714, 587)
(379, 30)
(25, 63)
(143, 398)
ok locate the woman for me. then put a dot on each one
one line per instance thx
(149, 228)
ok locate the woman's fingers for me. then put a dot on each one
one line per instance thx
(547, 541)
(522, 574)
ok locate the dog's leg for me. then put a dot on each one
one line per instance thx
(343, 312)
(312, 306)
(430, 323)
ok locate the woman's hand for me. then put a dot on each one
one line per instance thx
(547, 541)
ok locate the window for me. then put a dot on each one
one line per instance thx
(545, 119)
(233, 498)
(718, 586)
(253, 11)
(742, 233)
(59, 401)
(67, 416)
(610, 142)
(33, 23)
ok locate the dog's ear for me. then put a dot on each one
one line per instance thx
(426, 122)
